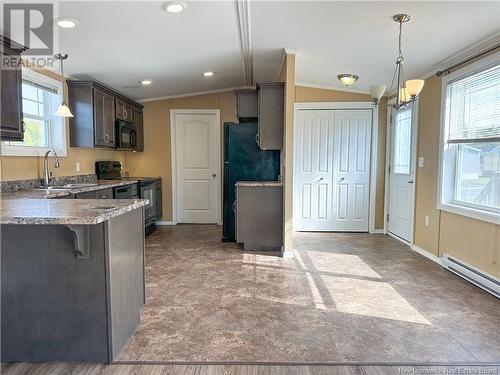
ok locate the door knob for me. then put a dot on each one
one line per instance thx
(214, 175)
(342, 178)
(320, 179)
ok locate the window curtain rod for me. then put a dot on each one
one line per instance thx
(452, 68)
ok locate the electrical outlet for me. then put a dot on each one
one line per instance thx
(427, 221)
(77, 166)
(421, 162)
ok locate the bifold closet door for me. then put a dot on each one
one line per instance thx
(313, 170)
(332, 170)
(352, 145)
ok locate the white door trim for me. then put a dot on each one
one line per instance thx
(374, 143)
(414, 158)
(173, 151)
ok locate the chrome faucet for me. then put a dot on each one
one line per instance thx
(46, 175)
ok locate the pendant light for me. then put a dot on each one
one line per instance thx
(376, 92)
(63, 110)
(406, 91)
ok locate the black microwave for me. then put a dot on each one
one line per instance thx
(126, 135)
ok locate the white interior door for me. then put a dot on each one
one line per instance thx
(352, 170)
(197, 162)
(401, 174)
(332, 170)
(314, 171)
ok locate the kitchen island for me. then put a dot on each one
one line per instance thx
(72, 278)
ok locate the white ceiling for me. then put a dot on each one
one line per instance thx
(122, 42)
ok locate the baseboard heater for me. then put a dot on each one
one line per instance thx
(483, 280)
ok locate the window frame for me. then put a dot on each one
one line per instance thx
(57, 132)
(449, 153)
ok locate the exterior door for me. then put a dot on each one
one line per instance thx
(401, 174)
(332, 170)
(197, 161)
(314, 170)
(352, 170)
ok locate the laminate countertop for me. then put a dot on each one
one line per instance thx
(38, 193)
(65, 211)
(258, 183)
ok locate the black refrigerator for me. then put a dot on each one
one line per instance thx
(243, 161)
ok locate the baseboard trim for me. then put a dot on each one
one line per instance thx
(164, 222)
(426, 254)
(286, 253)
(377, 231)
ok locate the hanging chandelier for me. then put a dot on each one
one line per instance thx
(407, 91)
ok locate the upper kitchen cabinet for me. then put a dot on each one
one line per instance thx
(123, 111)
(246, 105)
(11, 109)
(271, 109)
(139, 128)
(95, 109)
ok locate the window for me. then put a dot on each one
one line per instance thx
(401, 154)
(470, 165)
(40, 97)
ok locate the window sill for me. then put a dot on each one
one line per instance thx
(474, 213)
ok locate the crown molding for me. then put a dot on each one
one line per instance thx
(187, 95)
(464, 54)
(334, 88)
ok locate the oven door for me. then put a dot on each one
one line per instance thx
(148, 192)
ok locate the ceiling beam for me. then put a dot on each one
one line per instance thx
(243, 12)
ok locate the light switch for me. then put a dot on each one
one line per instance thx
(77, 166)
(427, 221)
(420, 162)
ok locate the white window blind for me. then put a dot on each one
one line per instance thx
(474, 107)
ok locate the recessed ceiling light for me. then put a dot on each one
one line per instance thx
(347, 79)
(208, 74)
(66, 23)
(174, 6)
(146, 82)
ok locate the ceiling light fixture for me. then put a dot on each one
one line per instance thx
(407, 91)
(174, 6)
(376, 92)
(63, 110)
(208, 74)
(146, 82)
(347, 79)
(66, 23)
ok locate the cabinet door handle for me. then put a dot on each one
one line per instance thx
(257, 139)
(23, 125)
(234, 206)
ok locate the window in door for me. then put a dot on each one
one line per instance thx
(401, 154)
(471, 146)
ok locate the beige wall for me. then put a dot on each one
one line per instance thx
(24, 167)
(474, 241)
(156, 158)
(308, 94)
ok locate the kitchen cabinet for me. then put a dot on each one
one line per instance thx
(139, 128)
(158, 200)
(271, 105)
(12, 126)
(259, 215)
(123, 110)
(96, 194)
(246, 105)
(104, 121)
(95, 109)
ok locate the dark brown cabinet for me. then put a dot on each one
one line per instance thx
(139, 128)
(104, 119)
(95, 108)
(271, 115)
(124, 110)
(96, 194)
(11, 110)
(246, 105)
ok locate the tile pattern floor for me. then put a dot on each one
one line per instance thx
(343, 298)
